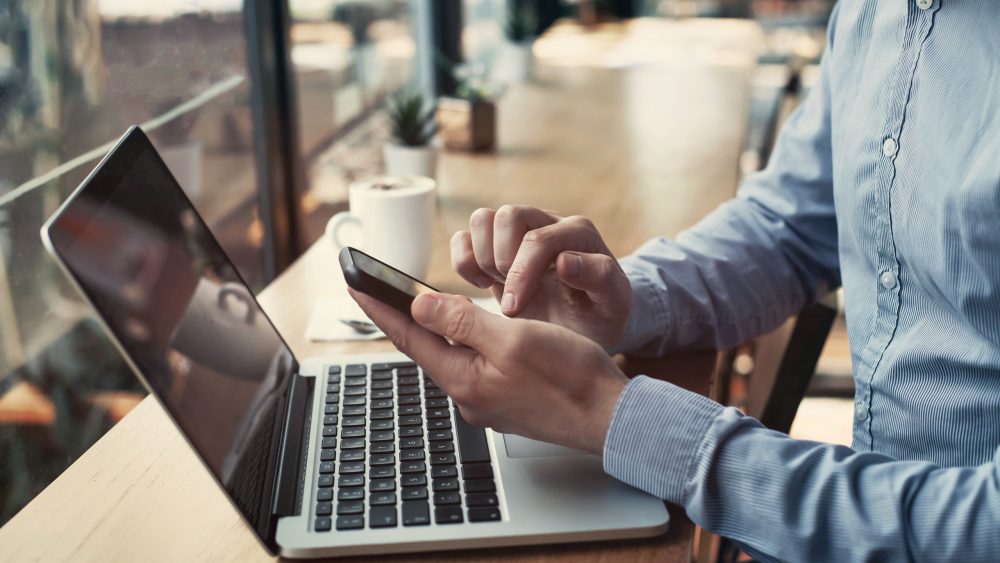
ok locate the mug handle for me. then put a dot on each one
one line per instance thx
(240, 293)
(337, 221)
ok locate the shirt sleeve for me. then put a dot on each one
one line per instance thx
(794, 500)
(755, 260)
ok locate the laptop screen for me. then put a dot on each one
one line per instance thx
(181, 313)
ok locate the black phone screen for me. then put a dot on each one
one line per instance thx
(409, 285)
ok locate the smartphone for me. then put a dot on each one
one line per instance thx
(373, 277)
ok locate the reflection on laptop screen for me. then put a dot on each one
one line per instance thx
(181, 312)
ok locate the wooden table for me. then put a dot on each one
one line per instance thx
(642, 151)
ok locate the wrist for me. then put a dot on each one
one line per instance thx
(601, 408)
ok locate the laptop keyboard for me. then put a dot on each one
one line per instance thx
(388, 453)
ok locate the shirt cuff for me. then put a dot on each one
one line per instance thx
(648, 317)
(656, 435)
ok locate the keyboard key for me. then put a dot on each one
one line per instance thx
(331, 409)
(355, 369)
(442, 515)
(407, 380)
(353, 522)
(434, 394)
(410, 431)
(354, 493)
(323, 524)
(414, 493)
(356, 432)
(436, 403)
(382, 394)
(325, 481)
(382, 425)
(477, 471)
(441, 447)
(381, 384)
(410, 443)
(355, 382)
(352, 443)
(411, 455)
(351, 481)
(333, 370)
(383, 459)
(438, 435)
(350, 507)
(382, 404)
(328, 455)
(443, 471)
(382, 472)
(352, 467)
(403, 371)
(410, 421)
(328, 443)
(330, 420)
(472, 444)
(352, 401)
(381, 485)
(376, 499)
(413, 480)
(409, 400)
(352, 455)
(439, 413)
(404, 391)
(439, 485)
(481, 499)
(406, 410)
(416, 513)
(350, 421)
(383, 436)
(332, 399)
(412, 467)
(324, 509)
(382, 516)
(324, 494)
(381, 414)
(355, 410)
(329, 431)
(381, 376)
(484, 514)
(333, 388)
(354, 392)
(439, 424)
(443, 459)
(382, 447)
(480, 486)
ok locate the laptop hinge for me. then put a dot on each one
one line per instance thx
(300, 392)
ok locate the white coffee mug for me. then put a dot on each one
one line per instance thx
(392, 218)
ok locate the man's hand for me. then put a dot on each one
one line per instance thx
(513, 375)
(546, 267)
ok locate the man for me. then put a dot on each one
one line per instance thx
(886, 181)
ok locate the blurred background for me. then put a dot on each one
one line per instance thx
(265, 110)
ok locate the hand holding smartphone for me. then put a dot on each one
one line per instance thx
(380, 280)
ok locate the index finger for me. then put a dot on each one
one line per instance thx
(537, 253)
(451, 365)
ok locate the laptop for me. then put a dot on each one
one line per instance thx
(322, 457)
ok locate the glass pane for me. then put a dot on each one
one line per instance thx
(347, 56)
(73, 76)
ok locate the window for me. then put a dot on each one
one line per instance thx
(73, 77)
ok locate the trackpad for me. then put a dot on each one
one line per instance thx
(519, 446)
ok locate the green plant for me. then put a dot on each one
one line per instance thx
(413, 124)
(521, 23)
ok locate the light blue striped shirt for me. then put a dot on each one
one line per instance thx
(885, 181)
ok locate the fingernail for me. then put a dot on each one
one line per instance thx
(507, 302)
(425, 307)
(484, 281)
(574, 265)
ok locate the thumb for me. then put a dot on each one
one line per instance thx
(457, 319)
(597, 274)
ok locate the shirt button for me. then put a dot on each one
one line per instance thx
(889, 147)
(924, 4)
(861, 411)
(888, 279)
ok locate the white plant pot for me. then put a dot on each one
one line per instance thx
(410, 161)
(517, 62)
